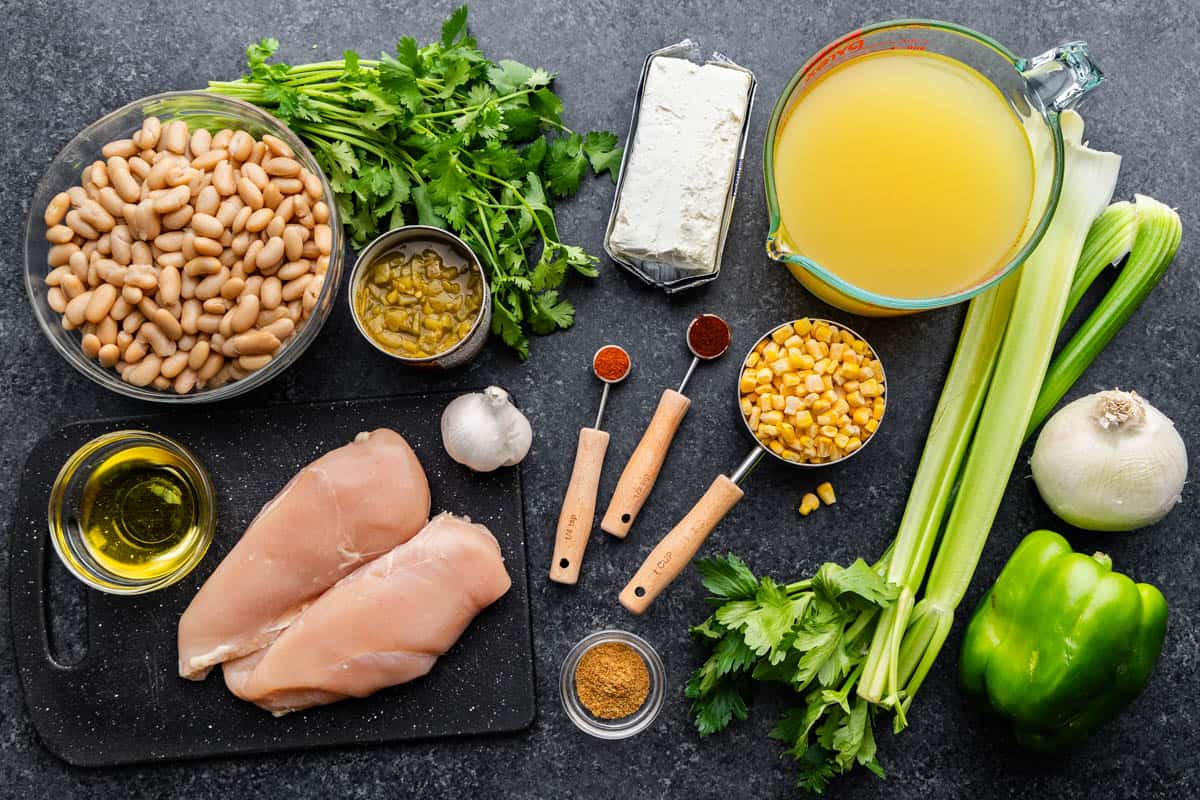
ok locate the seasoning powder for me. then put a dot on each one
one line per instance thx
(611, 363)
(612, 681)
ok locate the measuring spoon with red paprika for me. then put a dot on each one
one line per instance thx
(708, 338)
(610, 364)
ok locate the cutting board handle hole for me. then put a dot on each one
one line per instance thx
(66, 615)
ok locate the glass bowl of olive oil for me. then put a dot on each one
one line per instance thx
(131, 512)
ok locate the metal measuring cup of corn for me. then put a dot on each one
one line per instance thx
(804, 388)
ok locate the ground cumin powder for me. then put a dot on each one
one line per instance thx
(611, 680)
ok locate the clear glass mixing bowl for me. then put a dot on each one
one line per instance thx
(199, 109)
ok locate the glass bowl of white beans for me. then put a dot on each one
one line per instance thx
(185, 248)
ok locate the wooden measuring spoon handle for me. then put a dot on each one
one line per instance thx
(677, 548)
(579, 506)
(641, 472)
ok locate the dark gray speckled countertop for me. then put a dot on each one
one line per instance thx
(63, 64)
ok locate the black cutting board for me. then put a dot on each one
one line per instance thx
(124, 702)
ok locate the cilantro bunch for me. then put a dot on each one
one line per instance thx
(442, 136)
(812, 635)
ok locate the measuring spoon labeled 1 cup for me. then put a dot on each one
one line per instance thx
(677, 549)
(610, 364)
(708, 339)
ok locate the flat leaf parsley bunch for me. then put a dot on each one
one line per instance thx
(442, 136)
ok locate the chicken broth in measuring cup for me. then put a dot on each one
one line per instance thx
(419, 299)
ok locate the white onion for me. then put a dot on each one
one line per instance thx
(1110, 462)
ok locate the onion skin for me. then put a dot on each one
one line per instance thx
(1101, 472)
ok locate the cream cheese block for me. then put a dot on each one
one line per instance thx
(684, 157)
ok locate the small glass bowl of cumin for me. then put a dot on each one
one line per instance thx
(624, 726)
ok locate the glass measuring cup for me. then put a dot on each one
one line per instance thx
(1037, 90)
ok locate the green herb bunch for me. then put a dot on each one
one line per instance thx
(442, 136)
(812, 635)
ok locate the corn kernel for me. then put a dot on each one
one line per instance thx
(814, 383)
(849, 371)
(753, 359)
(747, 406)
(861, 415)
(781, 365)
(853, 444)
(836, 349)
(855, 399)
(825, 492)
(796, 358)
(748, 382)
(813, 347)
(872, 425)
(828, 418)
(871, 388)
(828, 431)
(866, 372)
(772, 417)
(822, 332)
(804, 419)
(821, 406)
(793, 341)
(754, 415)
(771, 351)
(802, 326)
(840, 407)
(764, 388)
(764, 375)
(841, 439)
(782, 333)
(791, 379)
(778, 402)
(767, 431)
(808, 504)
(787, 433)
(790, 455)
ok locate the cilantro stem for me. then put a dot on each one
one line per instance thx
(456, 112)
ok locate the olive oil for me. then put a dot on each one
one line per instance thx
(140, 513)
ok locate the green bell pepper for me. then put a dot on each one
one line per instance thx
(1061, 643)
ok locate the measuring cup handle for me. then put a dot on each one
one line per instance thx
(1063, 76)
(579, 506)
(639, 475)
(675, 551)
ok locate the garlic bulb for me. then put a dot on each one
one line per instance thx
(485, 431)
(1109, 462)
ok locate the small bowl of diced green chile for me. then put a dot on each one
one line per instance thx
(418, 294)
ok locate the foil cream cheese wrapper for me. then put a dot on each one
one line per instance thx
(672, 277)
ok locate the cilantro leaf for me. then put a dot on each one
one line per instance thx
(454, 26)
(550, 312)
(603, 153)
(407, 54)
(565, 165)
(508, 76)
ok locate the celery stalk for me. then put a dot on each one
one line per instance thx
(1108, 241)
(1045, 285)
(1158, 233)
(949, 434)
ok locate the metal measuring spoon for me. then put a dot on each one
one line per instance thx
(579, 503)
(641, 472)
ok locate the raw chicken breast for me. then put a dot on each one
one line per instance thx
(387, 623)
(342, 510)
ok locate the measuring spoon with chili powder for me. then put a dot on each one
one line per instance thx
(610, 364)
(708, 338)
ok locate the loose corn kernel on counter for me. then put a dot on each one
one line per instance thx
(812, 392)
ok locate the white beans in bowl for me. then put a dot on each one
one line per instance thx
(186, 259)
